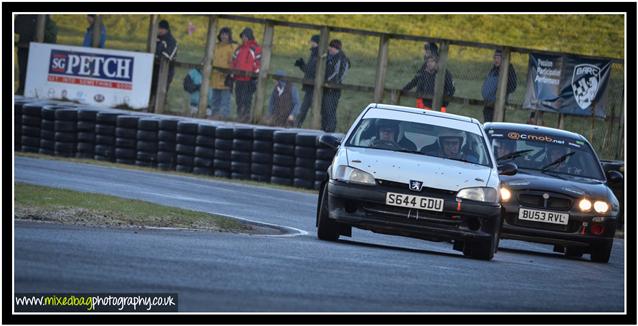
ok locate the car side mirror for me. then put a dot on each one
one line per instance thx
(507, 169)
(614, 176)
(330, 141)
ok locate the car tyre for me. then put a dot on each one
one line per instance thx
(483, 250)
(326, 228)
(601, 253)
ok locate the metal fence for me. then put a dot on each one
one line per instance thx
(381, 64)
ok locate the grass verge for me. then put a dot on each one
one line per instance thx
(47, 204)
(147, 169)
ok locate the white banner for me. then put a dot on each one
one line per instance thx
(89, 76)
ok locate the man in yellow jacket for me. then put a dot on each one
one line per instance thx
(220, 83)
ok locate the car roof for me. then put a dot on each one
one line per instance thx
(521, 127)
(426, 112)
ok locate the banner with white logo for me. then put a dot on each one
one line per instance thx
(567, 84)
(89, 76)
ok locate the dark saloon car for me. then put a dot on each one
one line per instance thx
(560, 195)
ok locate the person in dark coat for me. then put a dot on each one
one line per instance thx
(309, 70)
(25, 27)
(491, 84)
(424, 82)
(165, 48)
(337, 65)
(284, 103)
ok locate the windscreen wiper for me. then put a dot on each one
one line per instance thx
(558, 161)
(514, 154)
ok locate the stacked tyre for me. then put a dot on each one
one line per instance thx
(126, 139)
(66, 121)
(31, 122)
(47, 130)
(204, 149)
(86, 133)
(167, 137)
(105, 136)
(283, 162)
(240, 155)
(223, 148)
(324, 156)
(147, 142)
(186, 136)
(261, 156)
(305, 153)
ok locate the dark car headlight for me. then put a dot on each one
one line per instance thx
(353, 175)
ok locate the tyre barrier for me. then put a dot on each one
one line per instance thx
(105, 135)
(126, 139)
(86, 133)
(223, 146)
(147, 142)
(204, 149)
(185, 145)
(291, 157)
(167, 138)
(65, 131)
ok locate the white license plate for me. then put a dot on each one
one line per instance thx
(403, 200)
(542, 216)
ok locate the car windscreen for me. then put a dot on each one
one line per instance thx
(420, 138)
(546, 153)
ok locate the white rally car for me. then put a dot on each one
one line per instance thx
(415, 173)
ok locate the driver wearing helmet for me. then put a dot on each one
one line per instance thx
(449, 146)
(503, 147)
(387, 132)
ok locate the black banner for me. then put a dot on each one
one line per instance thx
(567, 84)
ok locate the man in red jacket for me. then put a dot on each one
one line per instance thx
(247, 58)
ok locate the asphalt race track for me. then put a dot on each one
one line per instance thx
(297, 272)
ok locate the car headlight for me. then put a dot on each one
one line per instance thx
(506, 194)
(584, 204)
(353, 175)
(601, 207)
(484, 194)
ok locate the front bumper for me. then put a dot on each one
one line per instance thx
(576, 233)
(364, 207)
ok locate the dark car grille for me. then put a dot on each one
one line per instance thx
(535, 200)
(400, 214)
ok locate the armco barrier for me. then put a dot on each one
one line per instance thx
(290, 157)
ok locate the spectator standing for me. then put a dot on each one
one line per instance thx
(246, 58)
(165, 47)
(25, 27)
(221, 82)
(424, 82)
(337, 65)
(192, 83)
(309, 71)
(284, 102)
(491, 83)
(88, 35)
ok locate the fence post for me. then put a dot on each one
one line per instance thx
(40, 25)
(152, 34)
(262, 81)
(162, 81)
(439, 82)
(382, 65)
(501, 90)
(208, 57)
(621, 126)
(561, 121)
(97, 29)
(319, 79)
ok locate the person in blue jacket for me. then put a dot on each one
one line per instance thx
(88, 35)
(192, 83)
